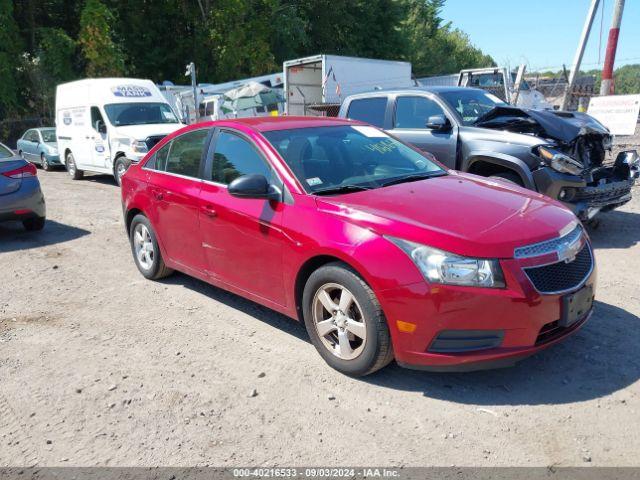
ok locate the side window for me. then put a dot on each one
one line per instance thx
(234, 156)
(413, 112)
(159, 160)
(95, 116)
(209, 108)
(29, 136)
(182, 156)
(370, 110)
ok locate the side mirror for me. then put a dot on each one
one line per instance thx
(438, 123)
(254, 186)
(101, 127)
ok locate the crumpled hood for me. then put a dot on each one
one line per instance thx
(460, 213)
(559, 125)
(140, 132)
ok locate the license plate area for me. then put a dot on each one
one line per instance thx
(576, 305)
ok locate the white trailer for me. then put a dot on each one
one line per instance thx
(317, 85)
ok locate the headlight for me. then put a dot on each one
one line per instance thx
(559, 161)
(438, 266)
(139, 146)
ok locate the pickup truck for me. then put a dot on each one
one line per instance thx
(559, 154)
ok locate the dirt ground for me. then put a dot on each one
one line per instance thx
(101, 367)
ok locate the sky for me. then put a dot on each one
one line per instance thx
(544, 34)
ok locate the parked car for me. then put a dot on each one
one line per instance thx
(382, 252)
(21, 198)
(559, 154)
(105, 124)
(39, 145)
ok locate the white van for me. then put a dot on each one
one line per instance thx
(105, 124)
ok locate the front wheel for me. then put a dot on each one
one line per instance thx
(72, 169)
(120, 168)
(345, 321)
(145, 249)
(46, 166)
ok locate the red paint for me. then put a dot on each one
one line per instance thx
(610, 56)
(256, 248)
(28, 170)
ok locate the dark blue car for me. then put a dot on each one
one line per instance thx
(40, 146)
(21, 198)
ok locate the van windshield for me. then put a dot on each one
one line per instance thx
(121, 114)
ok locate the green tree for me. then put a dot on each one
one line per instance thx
(10, 54)
(103, 56)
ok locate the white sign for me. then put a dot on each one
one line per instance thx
(619, 113)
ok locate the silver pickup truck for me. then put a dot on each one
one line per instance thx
(559, 154)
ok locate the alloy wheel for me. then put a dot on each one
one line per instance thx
(339, 321)
(143, 246)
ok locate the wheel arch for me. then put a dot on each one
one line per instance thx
(486, 165)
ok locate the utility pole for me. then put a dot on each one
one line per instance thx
(577, 60)
(606, 87)
(191, 71)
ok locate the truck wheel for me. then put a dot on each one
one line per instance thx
(509, 177)
(120, 168)
(72, 168)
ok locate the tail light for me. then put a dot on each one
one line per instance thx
(29, 170)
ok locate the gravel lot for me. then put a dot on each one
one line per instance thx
(100, 367)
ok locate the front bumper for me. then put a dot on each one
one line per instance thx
(523, 320)
(603, 189)
(53, 159)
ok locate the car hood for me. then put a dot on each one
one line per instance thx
(140, 132)
(460, 213)
(562, 126)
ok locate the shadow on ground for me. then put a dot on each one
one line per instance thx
(616, 229)
(597, 361)
(13, 236)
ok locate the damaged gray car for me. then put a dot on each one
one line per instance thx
(559, 154)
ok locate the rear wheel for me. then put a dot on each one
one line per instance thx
(72, 169)
(510, 177)
(145, 249)
(345, 321)
(34, 224)
(44, 163)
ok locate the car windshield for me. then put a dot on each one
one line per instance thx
(471, 104)
(121, 114)
(5, 152)
(340, 159)
(49, 135)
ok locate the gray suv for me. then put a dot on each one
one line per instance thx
(559, 154)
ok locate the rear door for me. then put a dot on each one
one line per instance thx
(410, 115)
(243, 239)
(30, 146)
(174, 183)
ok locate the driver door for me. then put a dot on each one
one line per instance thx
(98, 141)
(409, 124)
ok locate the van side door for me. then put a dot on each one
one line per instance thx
(98, 139)
(423, 122)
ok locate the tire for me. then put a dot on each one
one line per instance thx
(44, 163)
(151, 266)
(510, 177)
(34, 224)
(120, 168)
(21, 155)
(72, 169)
(363, 356)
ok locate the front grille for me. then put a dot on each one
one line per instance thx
(153, 140)
(603, 194)
(562, 276)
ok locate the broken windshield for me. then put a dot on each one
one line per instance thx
(471, 104)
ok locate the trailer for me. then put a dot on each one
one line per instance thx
(316, 85)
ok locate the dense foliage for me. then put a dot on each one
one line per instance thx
(45, 42)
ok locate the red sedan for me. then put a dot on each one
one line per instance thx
(380, 250)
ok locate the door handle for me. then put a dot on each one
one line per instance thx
(209, 211)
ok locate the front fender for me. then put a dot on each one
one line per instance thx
(503, 160)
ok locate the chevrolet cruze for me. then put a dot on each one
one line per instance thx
(382, 252)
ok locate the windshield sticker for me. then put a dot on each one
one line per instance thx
(312, 182)
(370, 132)
(383, 146)
(131, 91)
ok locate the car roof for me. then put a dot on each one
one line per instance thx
(433, 89)
(267, 124)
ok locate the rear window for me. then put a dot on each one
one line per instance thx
(369, 110)
(5, 152)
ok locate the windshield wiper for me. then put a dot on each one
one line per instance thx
(341, 189)
(413, 178)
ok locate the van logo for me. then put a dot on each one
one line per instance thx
(131, 91)
(66, 118)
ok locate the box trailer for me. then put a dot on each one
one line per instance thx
(316, 85)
